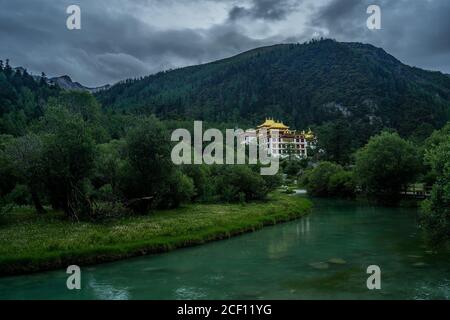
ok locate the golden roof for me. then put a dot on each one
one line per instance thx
(271, 124)
(309, 135)
(267, 123)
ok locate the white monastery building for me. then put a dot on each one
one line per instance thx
(281, 141)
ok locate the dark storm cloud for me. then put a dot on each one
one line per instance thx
(118, 40)
(263, 9)
(112, 45)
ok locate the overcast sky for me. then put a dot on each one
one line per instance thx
(121, 39)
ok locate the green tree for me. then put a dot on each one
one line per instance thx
(69, 159)
(109, 163)
(386, 166)
(26, 157)
(201, 177)
(85, 105)
(181, 190)
(435, 216)
(7, 176)
(336, 140)
(292, 167)
(145, 177)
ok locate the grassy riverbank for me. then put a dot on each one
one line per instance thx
(30, 243)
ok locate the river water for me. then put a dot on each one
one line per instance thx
(322, 256)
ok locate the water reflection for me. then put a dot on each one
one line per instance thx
(106, 291)
(303, 226)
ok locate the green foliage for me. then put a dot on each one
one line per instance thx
(181, 190)
(386, 166)
(7, 176)
(293, 167)
(69, 161)
(25, 154)
(109, 163)
(272, 181)
(329, 180)
(5, 207)
(22, 99)
(436, 210)
(149, 179)
(225, 183)
(337, 141)
(438, 137)
(20, 195)
(238, 183)
(201, 178)
(84, 105)
(342, 184)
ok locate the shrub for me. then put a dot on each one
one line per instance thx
(342, 184)
(202, 180)
(238, 183)
(329, 180)
(181, 190)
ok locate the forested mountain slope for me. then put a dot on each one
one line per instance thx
(302, 84)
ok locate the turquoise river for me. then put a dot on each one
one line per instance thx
(322, 256)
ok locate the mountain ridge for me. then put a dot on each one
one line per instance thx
(303, 84)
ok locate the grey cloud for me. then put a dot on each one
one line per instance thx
(116, 43)
(263, 9)
(416, 32)
(111, 46)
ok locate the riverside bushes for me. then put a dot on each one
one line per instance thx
(328, 179)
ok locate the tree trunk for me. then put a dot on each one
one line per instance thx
(36, 201)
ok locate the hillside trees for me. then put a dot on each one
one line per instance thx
(22, 99)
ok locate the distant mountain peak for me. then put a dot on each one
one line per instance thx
(66, 78)
(66, 83)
